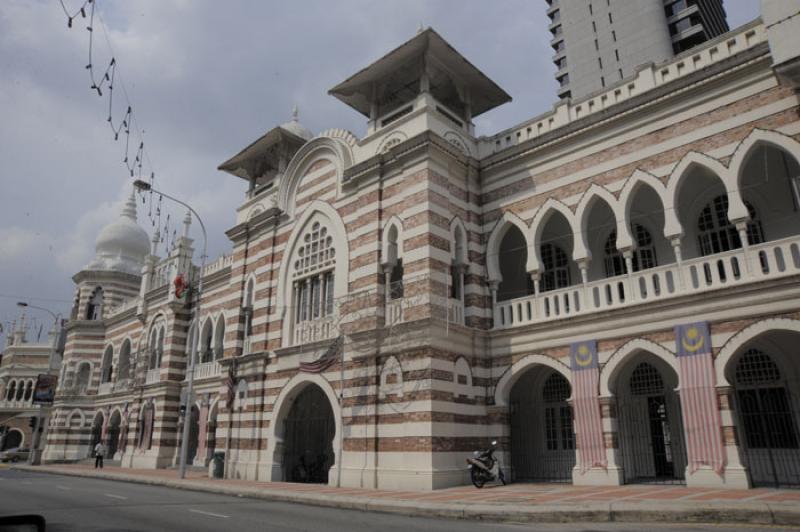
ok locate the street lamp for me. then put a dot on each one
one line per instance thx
(53, 345)
(144, 186)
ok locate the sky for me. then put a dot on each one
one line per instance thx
(205, 79)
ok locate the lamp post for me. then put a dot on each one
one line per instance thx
(53, 345)
(144, 186)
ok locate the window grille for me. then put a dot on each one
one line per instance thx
(556, 389)
(644, 256)
(717, 234)
(313, 274)
(556, 268)
(756, 367)
(646, 380)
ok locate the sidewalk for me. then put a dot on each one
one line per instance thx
(515, 502)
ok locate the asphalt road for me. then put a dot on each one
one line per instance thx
(86, 505)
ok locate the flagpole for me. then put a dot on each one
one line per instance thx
(144, 186)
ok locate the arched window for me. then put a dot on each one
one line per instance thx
(28, 390)
(82, 377)
(644, 256)
(646, 380)
(248, 308)
(12, 389)
(124, 363)
(557, 413)
(94, 309)
(716, 234)
(156, 346)
(395, 263)
(556, 268)
(457, 265)
(107, 368)
(207, 342)
(144, 432)
(313, 275)
(219, 338)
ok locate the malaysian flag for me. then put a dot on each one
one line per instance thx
(589, 428)
(326, 360)
(701, 418)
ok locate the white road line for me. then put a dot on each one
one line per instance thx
(209, 513)
(63, 488)
(114, 496)
(28, 482)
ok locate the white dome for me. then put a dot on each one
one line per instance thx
(295, 127)
(121, 245)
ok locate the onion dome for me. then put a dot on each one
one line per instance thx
(121, 245)
(295, 127)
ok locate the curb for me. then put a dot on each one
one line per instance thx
(755, 513)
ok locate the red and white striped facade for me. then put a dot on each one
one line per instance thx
(423, 379)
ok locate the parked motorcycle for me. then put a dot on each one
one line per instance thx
(484, 467)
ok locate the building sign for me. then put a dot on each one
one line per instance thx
(45, 390)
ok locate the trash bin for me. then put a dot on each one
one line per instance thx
(219, 465)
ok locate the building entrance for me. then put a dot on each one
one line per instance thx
(309, 431)
(651, 432)
(767, 422)
(542, 437)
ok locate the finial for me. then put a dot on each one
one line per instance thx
(420, 28)
(129, 209)
(295, 113)
(187, 221)
(156, 238)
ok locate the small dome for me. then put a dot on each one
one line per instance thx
(121, 245)
(295, 127)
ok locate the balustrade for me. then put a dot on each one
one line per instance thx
(769, 260)
(314, 331)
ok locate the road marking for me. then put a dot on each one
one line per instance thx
(114, 496)
(28, 482)
(209, 513)
(63, 488)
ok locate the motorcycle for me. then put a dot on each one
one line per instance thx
(484, 467)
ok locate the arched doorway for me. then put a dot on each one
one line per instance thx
(767, 413)
(650, 424)
(309, 428)
(542, 435)
(112, 439)
(13, 439)
(194, 435)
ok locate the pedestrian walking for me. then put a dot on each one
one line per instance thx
(99, 454)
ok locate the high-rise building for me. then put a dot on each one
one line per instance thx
(599, 42)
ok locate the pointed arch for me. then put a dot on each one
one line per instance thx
(618, 359)
(219, 336)
(735, 343)
(756, 138)
(679, 175)
(316, 209)
(76, 413)
(124, 360)
(540, 219)
(507, 220)
(459, 254)
(592, 195)
(333, 149)
(502, 390)
(276, 431)
(634, 183)
(391, 378)
(387, 249)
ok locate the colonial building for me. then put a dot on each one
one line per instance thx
(23, 360)
(608, 289)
